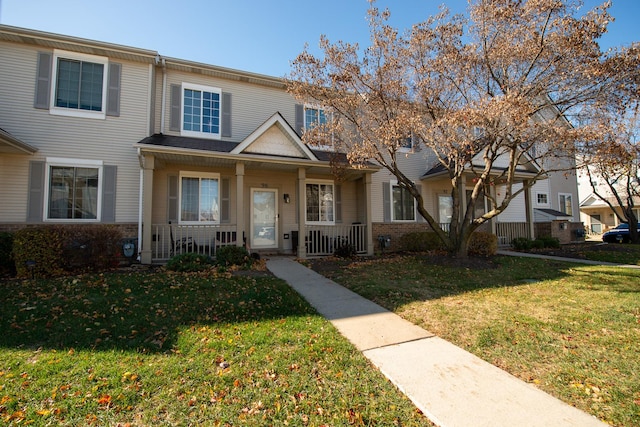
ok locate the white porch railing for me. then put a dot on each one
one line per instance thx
(174, 239)
(507, 231)
(322, 240)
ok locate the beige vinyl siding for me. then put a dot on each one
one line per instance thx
(110, 140)
(251, 104)
(413, 165)
(14, 175)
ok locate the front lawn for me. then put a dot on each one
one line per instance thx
(572, 330)
(181, 349)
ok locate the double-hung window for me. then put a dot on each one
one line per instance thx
(542, 199)
(79, 85)
(201, 108)
(199, 198)
(566, 207)
(320, 203)
(403, 206)
(313, 117)
(73, 189)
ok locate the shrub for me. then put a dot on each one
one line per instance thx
(233, 255)
(37, 251)
(52, 249)
(420, 241)
(345, 250)
(189, 262)
(549, 242)
(90, 247)
(483, 244)
(7, 265)
(521, 243)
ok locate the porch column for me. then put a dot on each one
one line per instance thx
(529, 210)
(147, 208)
(300, 200)
(368, 219)
(240, 214)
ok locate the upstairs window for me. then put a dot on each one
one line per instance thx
(79, 85)
(201, 106)
(542, 199)
(314, 117)
(566, 205)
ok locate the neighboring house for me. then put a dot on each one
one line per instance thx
(595, 213)
(190, 156)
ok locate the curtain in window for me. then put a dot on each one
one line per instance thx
(199, 200)
(73, 193)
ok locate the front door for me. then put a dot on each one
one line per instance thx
(264, 214)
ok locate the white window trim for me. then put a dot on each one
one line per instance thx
(201, 88)
(75, 163)
(72, 112)
(560, 206)
(408, 149)
(393, 183)
(320, 182)
(327, 116)
(200, 175)
(543, 204)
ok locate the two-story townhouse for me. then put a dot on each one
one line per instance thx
(226, 165)
(70, 111)
(180, 154)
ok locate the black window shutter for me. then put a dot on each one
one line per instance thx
(43, 81)
(386, 201)
(226, 115)
(176, 107)
(338, 200)
(109, 175)
(35, 197)
(172, 202)
(299, 126)
(225, 200)
(113, 89)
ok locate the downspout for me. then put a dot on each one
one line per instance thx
(164, 95)
(141, 162)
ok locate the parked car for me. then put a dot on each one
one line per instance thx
(620, 234)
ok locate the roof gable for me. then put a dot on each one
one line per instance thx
(275, 137)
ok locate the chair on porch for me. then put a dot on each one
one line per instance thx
(182, 245)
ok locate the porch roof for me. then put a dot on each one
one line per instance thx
(439, 170)
(552, 214)
(11, 145)
(211, 153)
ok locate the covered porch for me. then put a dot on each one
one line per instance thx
(269, 193)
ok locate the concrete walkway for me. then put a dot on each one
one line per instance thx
(449, 385)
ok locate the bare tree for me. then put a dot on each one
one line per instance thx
(611, 159)
(487, 95)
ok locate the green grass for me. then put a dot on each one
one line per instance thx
(618, 253)
(572, 330)
(181, 349)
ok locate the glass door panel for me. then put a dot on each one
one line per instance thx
(264, 214)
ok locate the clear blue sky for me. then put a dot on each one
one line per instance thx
(252, 35)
